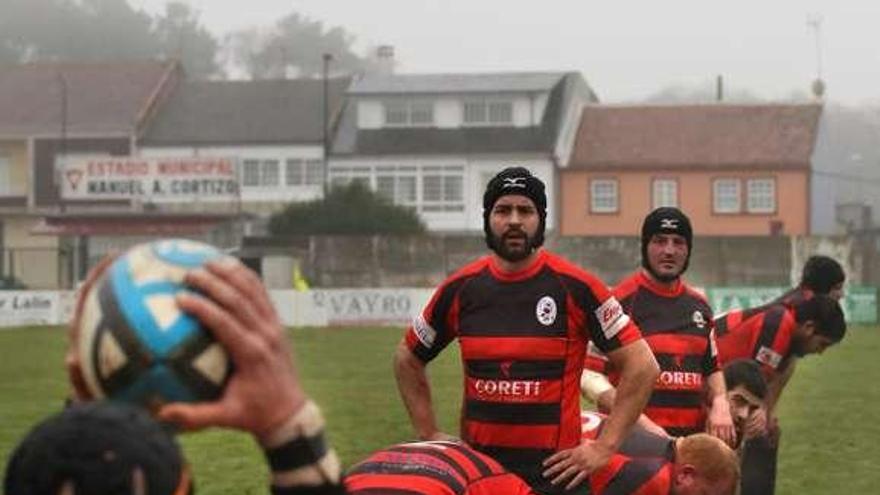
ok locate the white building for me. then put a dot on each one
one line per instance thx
(433, 141)
(272, 129)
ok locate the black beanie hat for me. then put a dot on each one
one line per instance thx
(666, 220)
(519, 181)
(821, 273)
(97, 447)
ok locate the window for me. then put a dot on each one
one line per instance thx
(261, 173)
(409, 113)
(481, 112)
(726, 196)
(443, 188)
(761, 195)
(314, 172)
(435, 188)
(342, 176)
(664, 192)
(603, 196)
(251, 173)
(397, 184)
(300, 172)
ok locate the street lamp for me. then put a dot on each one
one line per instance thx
(59, 164)
(325, 136)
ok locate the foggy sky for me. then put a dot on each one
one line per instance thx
(626, 49)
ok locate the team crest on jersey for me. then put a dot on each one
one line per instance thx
(768, 356)
(546, 311)
(699, 319)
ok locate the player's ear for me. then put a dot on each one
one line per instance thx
(809, 328)
(685, 474)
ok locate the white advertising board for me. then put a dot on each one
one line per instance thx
(21, 308)
(156, 180)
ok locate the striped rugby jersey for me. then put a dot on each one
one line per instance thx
(523, 337)
(677, 324)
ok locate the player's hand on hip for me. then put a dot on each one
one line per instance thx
(72, 363)
(575, 464)
(264, 389)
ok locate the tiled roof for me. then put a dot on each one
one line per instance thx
(704, 135)
(102, 98)
(239, 112)
(455, 83)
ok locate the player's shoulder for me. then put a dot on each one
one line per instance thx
(696, 294)
(466, 272)
(628, 286)
(574, 273)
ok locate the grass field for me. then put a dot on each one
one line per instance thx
(830, 413)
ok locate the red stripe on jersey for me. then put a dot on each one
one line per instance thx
(519, 436)
(676, 417)
(482, 347)
(600, 478)
(514, 391)
(743, 340)
(378, 481)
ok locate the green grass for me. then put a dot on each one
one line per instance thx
(830, 414)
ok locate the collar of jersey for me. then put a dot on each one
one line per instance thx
(649, 283)
(523, 274)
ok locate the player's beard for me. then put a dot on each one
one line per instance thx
(665, 277)
(502, 247)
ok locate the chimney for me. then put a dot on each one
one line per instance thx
(385, 60)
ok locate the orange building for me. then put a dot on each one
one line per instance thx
(735, 169)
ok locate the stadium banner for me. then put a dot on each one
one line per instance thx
(859, 303)
(370, 306)
(334, 307)
(23, 308)
(150, 179)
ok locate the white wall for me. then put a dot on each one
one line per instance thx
(279, 194)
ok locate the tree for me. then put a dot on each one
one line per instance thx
(181, 36)
(103, 30)
(295, 43)
(347, 210)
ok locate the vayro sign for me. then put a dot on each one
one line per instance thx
(151, 179)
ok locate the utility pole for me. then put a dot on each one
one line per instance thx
(326, 131)
(61, 156)
(814, 21)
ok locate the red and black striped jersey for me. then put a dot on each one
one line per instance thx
(522, 336)
(642, 465)
(792, 297)
(677, 324)
(432, 468)
(763, 334)
(625, 475)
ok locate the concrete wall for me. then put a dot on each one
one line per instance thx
(424, 262)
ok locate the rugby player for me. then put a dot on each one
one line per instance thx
(676, 321)
(523, 317)
(432, 468)
(651, 464)
(263, 397)
(820, 275)
(775, 337)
